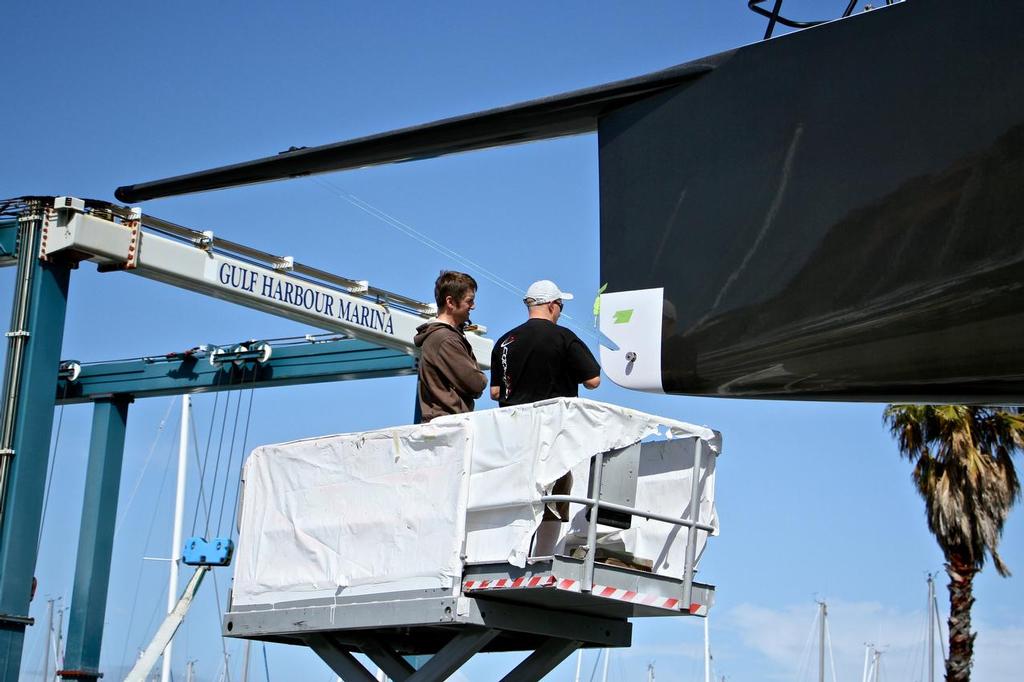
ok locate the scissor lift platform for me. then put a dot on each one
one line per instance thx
(542, 608)
(446, 583)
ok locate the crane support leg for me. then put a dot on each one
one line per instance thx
(96, 539)
(34, 343)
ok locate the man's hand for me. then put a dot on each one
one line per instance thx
(592, 383)
(495, 392)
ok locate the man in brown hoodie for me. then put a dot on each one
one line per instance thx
(449, 376)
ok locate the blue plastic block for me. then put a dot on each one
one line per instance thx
(200, 552)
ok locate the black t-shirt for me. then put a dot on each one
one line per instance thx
(539, 360)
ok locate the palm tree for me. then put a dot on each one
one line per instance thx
(963, 468)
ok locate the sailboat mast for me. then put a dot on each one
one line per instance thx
(604, 673)
(823, 614)
(579, 664)
(58, 659)
(931, 629)
(49, 633)
(179, 512)
(707, 651)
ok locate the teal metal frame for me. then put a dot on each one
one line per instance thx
(166, 375)
(96, 538)
(192, 372)
(112, 386)
(32, 408)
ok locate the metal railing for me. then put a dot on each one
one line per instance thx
(595, 502)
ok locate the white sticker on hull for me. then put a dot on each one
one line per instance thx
(633, 321)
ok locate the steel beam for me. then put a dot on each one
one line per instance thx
(306, 363)
(394, 666)
(453, 655)
(96, 539)
(542, 661)
(340, 661)
(32, 410)
(8, 242)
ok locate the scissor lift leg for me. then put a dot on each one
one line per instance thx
(340, 661)
(542, 661)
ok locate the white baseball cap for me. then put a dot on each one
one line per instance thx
(545, 291)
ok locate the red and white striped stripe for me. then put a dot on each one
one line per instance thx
(603, 591)
(508, 583)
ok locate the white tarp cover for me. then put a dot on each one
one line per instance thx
(390, 510)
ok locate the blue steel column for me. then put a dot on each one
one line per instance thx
(19, 534)
(96, 539)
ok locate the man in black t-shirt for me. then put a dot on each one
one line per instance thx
(538, 359)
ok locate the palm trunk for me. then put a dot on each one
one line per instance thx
(961, 639)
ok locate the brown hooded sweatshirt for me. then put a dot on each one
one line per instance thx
(450, 378)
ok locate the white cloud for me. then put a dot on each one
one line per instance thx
(788, 637)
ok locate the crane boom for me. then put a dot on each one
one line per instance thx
(114, 238)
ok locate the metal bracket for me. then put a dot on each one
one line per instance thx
(134, 223)
(16, 620)
(20, 334)
(6, 452)
(80, 674)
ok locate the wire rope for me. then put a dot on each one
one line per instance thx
(201, 495)
(231, 460)
(216, 466)
(266, 666)
(245, 444)
(205, 460)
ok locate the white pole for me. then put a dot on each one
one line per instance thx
(58, 657)
(607, 657)
(579, 664)
(707, 651)
(867, 657)
(179, 512)
(931, 630)
(245, 661)
(49, 634)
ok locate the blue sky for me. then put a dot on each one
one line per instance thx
(813, 499)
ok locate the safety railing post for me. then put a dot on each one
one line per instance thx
(691, 533)
(597, 464)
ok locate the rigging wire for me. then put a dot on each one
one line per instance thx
(266, 666)
(145, 466)
(415, 234)
(142, 562)
(223, 641)
(437, 246)
(831, 654)
(805, 652)
(49, 475)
